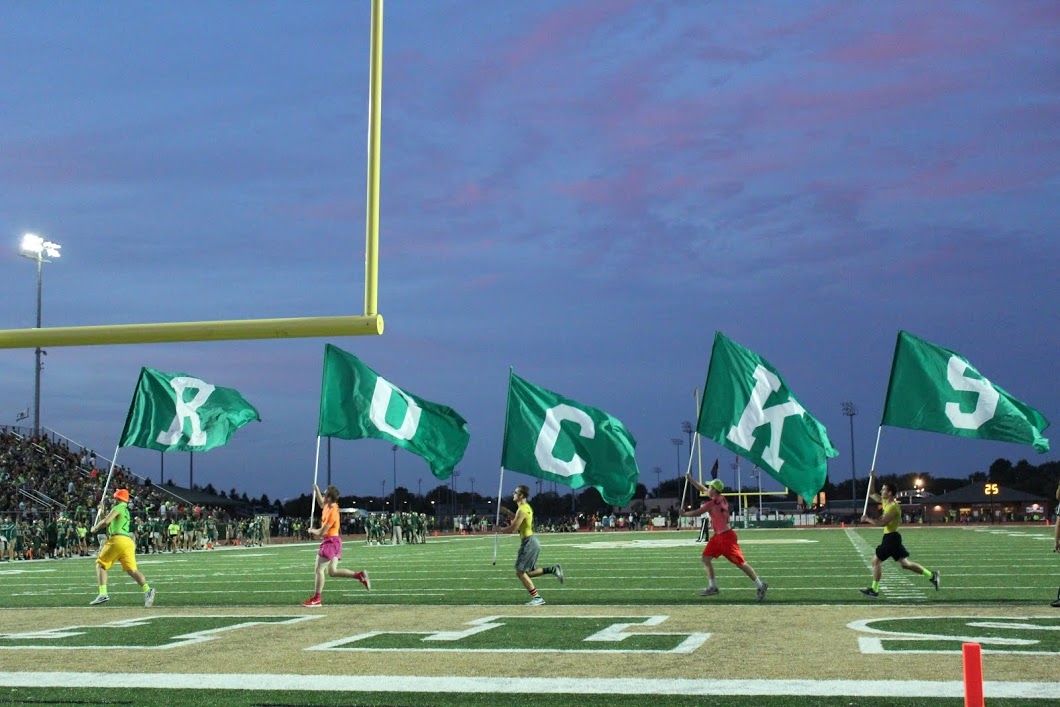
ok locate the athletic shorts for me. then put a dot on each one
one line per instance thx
(891, 547)
(529, 549)
(725, 545)
(118, 548)
(331, 548)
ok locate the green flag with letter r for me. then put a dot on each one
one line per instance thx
(938, 390)
(749, 409)
(552, 437)
(358, 403)
(175, 412)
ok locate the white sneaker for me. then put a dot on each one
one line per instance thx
(762, 591)
(558, 571)
(149, 598)
(101, 599)
(536, 601)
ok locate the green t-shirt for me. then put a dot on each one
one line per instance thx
(120, 524)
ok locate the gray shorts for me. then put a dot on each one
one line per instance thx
(529, 549)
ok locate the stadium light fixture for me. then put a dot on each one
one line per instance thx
(36, 248)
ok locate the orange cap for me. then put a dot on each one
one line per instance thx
(122, 495)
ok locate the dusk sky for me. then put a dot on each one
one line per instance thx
(584, 191)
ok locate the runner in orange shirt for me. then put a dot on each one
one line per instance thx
(330, 551)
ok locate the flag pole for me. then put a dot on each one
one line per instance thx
(316, 468)
(688, 470)
(103, 497)
(500, 483)
(873, 470)
(697, 440)
(497, 521)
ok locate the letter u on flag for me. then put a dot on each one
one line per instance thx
(356, 403)
(937, 390)
(551, 437)
(749, 409)
(175, 412)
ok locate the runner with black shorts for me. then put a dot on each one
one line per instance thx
(891, 546)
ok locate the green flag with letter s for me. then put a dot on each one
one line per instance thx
(552, 437)
(749, 409)
(938, 390)
(175, 412)
(358, 403)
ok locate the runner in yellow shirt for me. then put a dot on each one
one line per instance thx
(891, 546)
(526, 561)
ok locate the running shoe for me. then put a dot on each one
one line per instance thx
(149, 598)
(870, 592)
(536, 601)
(762, 591)
(935, 577)
(101, 599)
(558, 571)
(362, 577)
(312, 601)
(709, 592)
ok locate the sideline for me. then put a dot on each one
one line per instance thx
(508, 685)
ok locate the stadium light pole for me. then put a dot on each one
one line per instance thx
(686, 427)
(658, 481)
(35, 248)
(849, 409)
(677, 442)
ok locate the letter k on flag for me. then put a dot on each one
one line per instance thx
(747, 408)
(175, 412)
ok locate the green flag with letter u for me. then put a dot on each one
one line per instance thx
(749, 409)
(552, 437)
(175, 412)
(357, 403)
(938, 390)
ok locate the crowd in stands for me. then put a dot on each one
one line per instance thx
(49, 495)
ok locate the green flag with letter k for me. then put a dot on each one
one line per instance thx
(748, 408)
(175, 412)
(551, 437)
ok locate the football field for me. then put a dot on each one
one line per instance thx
(444, 625)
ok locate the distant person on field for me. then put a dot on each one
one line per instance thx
(330, 551)
(891, 546)
(119, 547)
(526, 561)
(724, 542)
(1056, 541)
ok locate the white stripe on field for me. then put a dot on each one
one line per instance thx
(508, 685)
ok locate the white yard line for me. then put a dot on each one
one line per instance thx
(509, 685)
(895, 586)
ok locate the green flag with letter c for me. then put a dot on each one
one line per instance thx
(555, 438)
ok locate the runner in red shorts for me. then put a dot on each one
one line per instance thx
(723, 543)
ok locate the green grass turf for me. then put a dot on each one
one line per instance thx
(979, 564)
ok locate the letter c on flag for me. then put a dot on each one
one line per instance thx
(549, 435)
(381, 396)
